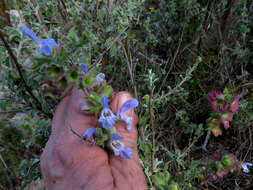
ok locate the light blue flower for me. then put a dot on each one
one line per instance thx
(89, 132)
(100, 77)
(119, 149)
(129, 104)
(44, 44)
(107, 117)
(84, 68)
(245, 166)
(116, 136)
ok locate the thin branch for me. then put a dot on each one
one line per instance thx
(19, 69)
(172, 62)
(130, 70)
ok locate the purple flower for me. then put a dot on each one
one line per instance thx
(225, 119)
(107, 117)
(84, 68)
(44, 44)
(89, 132)
(100, 77)
(116, 136)
(235, 104)
(119, 149)
(129, 104)
(217, 104)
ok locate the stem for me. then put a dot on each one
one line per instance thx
(153, 130)
(206, 140)
(19, 69)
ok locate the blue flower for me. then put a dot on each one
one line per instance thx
(116, 136)
(119, 149)
(126, 153)
(84, 68)
(126, 119)
(107, 117)
(89, 132)
(245, 166)
(129, 104)
(44, 44)
(27, 31)
(100, 77)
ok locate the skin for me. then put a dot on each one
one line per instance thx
(70, 163)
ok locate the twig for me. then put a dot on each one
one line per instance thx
(172, 62)
(130, 70)
(152, 127)
(206, 140)
(8, 171)
(14, 111)
(62, 9)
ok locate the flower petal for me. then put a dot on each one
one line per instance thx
(50, 42)
(245, 166)
(107, 118)
(116, 136)
(89, 132)
(127, 120)
(129, 104)
(126, 153)
(225, 119)
(104, 101)
(44, 49)
(84, 68)
(28, 32)
(235, 104)
(216, 130)
(100, 77)
(117, 146)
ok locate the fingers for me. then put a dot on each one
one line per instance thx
(127, 174)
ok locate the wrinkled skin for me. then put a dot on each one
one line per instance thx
(70, 163)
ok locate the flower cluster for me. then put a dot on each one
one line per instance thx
(224, 106)
(218, 167)
(107, 130)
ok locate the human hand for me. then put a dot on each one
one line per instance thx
(70, 163)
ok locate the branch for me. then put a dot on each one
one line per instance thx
(19, 69)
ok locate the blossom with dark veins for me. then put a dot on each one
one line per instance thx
(107, 117)
(119, 149)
